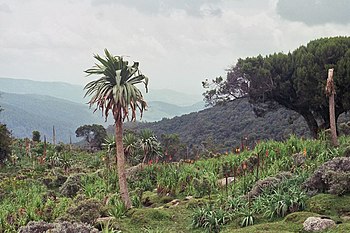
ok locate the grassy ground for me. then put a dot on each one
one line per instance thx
(35, 187)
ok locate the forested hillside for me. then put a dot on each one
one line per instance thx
(225, 125)
(27, 112)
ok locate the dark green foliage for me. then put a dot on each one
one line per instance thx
(226, 125)
(36, 136)
(94, 135)
(171, 144)
(5, 143)
(295, 81)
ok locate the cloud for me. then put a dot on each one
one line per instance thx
(315, 12)
(197, 8)
(5, 8)
(178, 43)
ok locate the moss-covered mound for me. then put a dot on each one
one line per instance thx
(331, 205)
(86, 211)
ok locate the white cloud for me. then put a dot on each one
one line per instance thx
(177, 48)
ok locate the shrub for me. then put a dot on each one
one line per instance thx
(5, 143)
(117, 208)
(86, 211)
(248, 217)
(209, 218)
(72, 185)
(269, 182)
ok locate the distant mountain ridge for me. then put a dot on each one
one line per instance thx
(76, 93)
(24, 113)
(31, 105)
(60, 90)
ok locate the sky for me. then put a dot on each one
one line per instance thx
(179, 43)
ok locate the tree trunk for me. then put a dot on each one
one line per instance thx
(123, 185)
(330, 90)
(332, 121)
(311, 123)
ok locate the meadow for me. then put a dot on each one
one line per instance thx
(247, 190)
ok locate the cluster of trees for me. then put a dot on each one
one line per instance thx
(142, 147)
(295, 81)
(222, 127)
(5, 142)
(94, 135)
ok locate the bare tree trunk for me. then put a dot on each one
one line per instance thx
(53, 135)
(331, 92)
(123, 185)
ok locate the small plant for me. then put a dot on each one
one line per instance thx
(118, 209)
(234, 204)
(136, 201)
(149, 230)
(248, 217)
(107, 228)
(209, 218)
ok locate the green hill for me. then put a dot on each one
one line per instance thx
(162, 103)
(75, 93)
(24, 113)
(225, 125)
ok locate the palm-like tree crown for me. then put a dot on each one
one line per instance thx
(116, 90)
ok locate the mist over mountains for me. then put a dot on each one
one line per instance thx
(34, 105)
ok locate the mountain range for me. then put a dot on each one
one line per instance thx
(35, 105)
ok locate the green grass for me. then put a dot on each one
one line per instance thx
(328, 204)
(174, 181)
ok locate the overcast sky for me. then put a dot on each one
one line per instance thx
(178, 43)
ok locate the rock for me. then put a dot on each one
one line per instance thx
(36, 227)
(222, 182)
(346, 152)
(299, 159)
(344, 128)
(345, 218)
(72, 185)
(260, 185)
(332, 177)
(314, 224)
(54, 181)
(59, 227)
